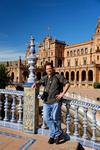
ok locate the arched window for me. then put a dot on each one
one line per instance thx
(97, 57)
(62, 73)
(16, 79)
(72, 76)
(83, 75)
(74, 52)
(67, 53)
(68, 63)
(71, 53)
(67, 75)
(52, 62)
(82, 51)
(86, 50)
(78, 52)
(90, 75)
(12, 76)
(56, 72)
(59, 63)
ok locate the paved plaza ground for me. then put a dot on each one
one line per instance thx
(18, 140)
(86, 92)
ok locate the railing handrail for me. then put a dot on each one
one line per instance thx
(13, 92)
(69, 98)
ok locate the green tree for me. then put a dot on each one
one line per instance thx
(4, 77)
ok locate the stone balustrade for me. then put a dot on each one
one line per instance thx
(85, 109)
(11, 108)
(11, 114)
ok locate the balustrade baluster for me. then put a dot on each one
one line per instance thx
(94, 126)
(68, 119)
(76, 121)
(20, 109)
(13, 109)
(85, 123)
(43, 123)
(0, 107)
(6, 108)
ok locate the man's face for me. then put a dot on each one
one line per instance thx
(49, 70)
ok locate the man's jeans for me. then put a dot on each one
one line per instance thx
(52, 116)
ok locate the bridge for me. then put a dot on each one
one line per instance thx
(80, 120)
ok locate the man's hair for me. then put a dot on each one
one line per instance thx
(49, 64)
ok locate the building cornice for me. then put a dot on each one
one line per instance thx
(79, 44)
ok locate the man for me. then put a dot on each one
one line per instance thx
(52, 102)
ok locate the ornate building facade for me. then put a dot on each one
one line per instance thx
(79, 63)
(16, 70)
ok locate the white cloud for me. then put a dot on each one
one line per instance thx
(6, 55)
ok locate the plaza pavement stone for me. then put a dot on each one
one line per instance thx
(40, 143)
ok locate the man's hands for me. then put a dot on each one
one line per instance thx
(59, 96)
(36, 85)
(33, 86)
(65, 89)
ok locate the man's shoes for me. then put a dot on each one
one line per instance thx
(59, 138)
(51, 141)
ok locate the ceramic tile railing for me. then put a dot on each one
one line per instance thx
(79, 104)
(11, 104)
(89, 109)
(11, 108)
(85, 104)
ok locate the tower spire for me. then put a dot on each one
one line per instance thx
(98, 22)
(98, 26)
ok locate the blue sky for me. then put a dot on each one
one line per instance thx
(72, 21)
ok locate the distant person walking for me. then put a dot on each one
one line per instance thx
(55, 88)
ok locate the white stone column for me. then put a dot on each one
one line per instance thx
(68, 119)
(85, 123)
(94, 125)
(20, 109)
(13, 109)
(76, 121)
(0, 107)
(6, 108)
